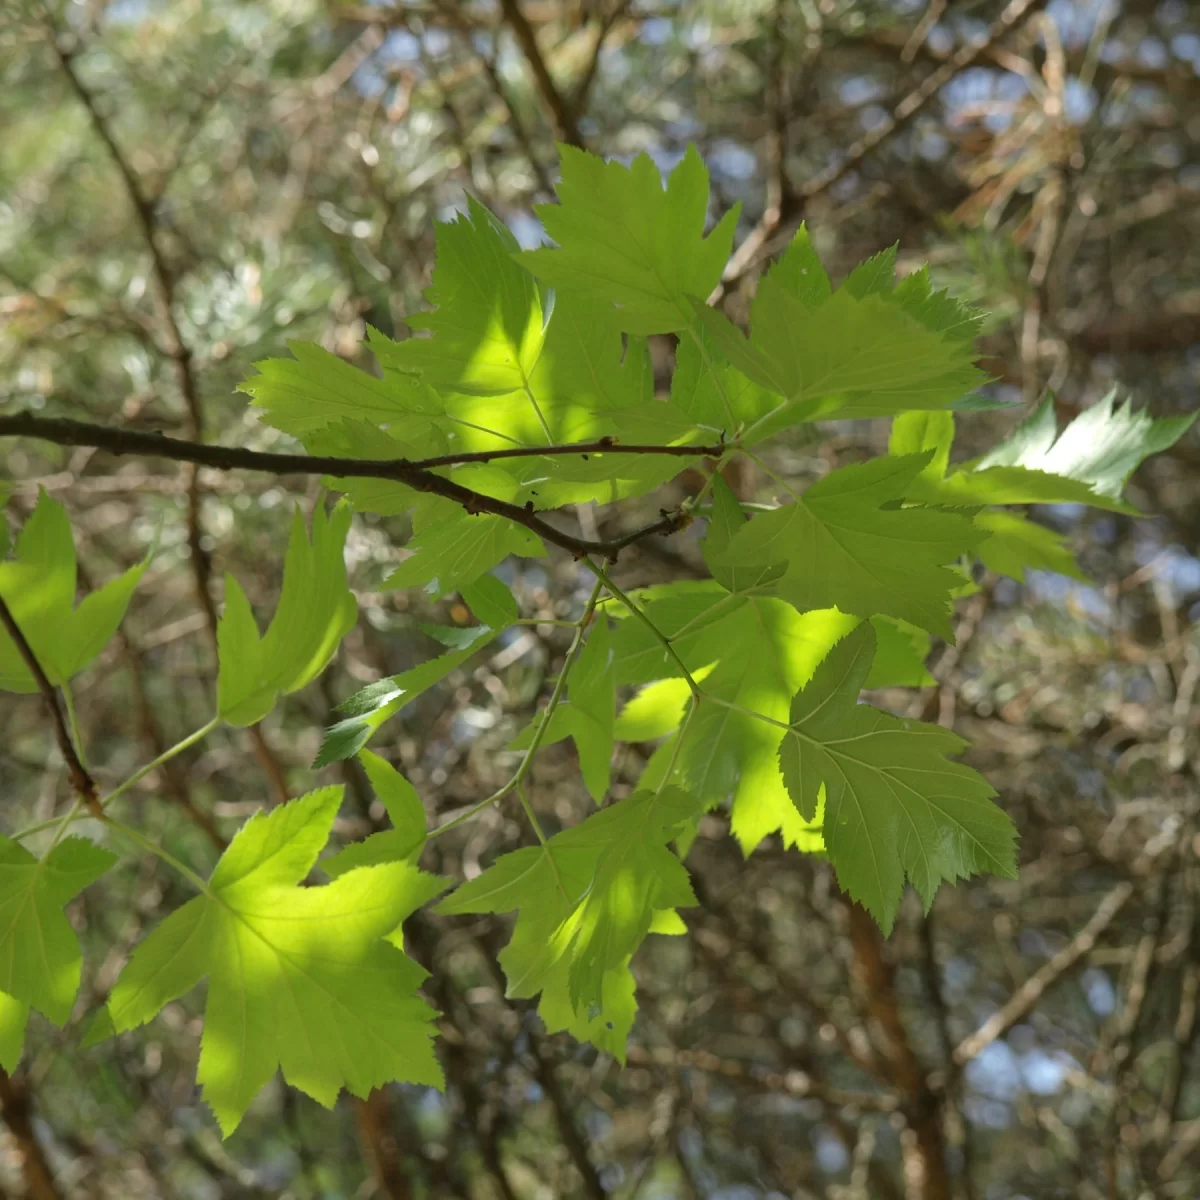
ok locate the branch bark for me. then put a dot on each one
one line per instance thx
(16, 1110)
(82, 782)
(562, 112)
(417, 475)
(925, 1171)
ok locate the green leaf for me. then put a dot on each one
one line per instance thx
(40, 960)
(900, 654)
(762, 653)
(919, 432)
(713, 393)
(360, 439)
(850, 357)
(727, 519)
(367, 709)
(655, 711)
(847, 546)
(593, 693)
(1015, 544)
(461, 549)
(682, 611)
(304, 394)
(875, 277)
(798, 269)
(937, 311)
(404, 841)
(14, 1016)
(1101, 447)
(608, 1024)
(288, 964)
(588, 716)
(487, 329)
(316, 610)
(38, 586)
(1011, 485)
(586, 900)
(753, 654)
(896, 806)
(636, 876)
(630, 245)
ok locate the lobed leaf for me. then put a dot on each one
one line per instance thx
(586, 900)
(38, 585)
(1101, 447)
(896, 806)
(629, 244)
(287, 964)
(847, 546)
(316, 610)
(40, 959)
(487, 329)
(404, 841)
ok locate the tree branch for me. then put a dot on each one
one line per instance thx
(81, 781)
(176, 348)
(926, 1172)
(417, 475)
(16, 1110)
(562, 114)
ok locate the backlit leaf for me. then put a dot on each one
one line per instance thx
(38, 585)
(316, 610)
(627, 242)
(896, 805)
(286, 965)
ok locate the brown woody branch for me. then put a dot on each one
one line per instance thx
(874, 977)
(16, 1110)
(417, 475)
(81, 781)
(562, 111)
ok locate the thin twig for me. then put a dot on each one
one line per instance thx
(174, 346)
(791, 1082)
(608, 23)
(83, 784)
(747, 256)
(454, 14)
(1030, 992)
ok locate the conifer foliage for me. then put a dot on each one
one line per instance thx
(528, 388)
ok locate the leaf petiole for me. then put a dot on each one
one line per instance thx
(60, 823)
(660, 637)
(539, 733)
(150, 847)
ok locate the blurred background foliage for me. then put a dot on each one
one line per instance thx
(186, 184)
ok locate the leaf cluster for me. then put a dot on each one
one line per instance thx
(745, 685)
